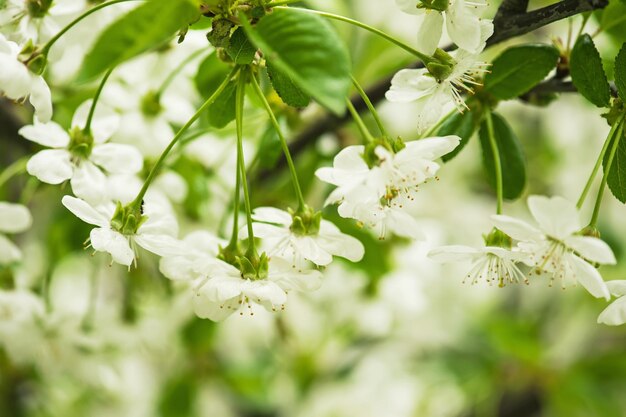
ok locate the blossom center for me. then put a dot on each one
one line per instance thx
(81, 144)
(151, 104)
(438, 5)
(37, 8)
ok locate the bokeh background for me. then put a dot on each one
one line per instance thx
(396, 335)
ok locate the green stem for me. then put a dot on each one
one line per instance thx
(239, 100)
(283, 143)
(179, 134)
(55, 38)
(359, 122)
(237, 200)
(281, 3)
(496, 161)
(15, 168)
(96, 97)
(437, 125)
(422, 57)
(370, 106)
(597, 166)
(605, 176)
(172, 75)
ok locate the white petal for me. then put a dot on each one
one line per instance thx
(222, 288)
(107, 240)
(428, 148)
(15, 80)
(41, 99)
(49, 134)
(265, 292)
(429, 33)
(556, 216)
(592, 249)
(117, 158)
(178, 268)
(89, 183)
(409, 85)
(214, 310)
(339, 244)
(162, 245)
(308, 248)
(104, 124)
(271, 215)
(172, 185)
(8, 251)
(615, 313)
(84, 211)
(403, 224)
(515, 228)
(617, 287)
(463, 27)
(409, 6)
(52, 166)
(589, 277)
(454, 253)
(14, 218)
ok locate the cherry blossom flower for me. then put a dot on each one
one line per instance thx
(14, 218)
(81, 157)
(17, 82)
(615, 313)
(556, 247)
(489, 263)
(463, 25)
(274, 226)
(156, 233)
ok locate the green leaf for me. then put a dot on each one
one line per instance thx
(286, 89)
(211, 73)
(620, 73)
(511, 157)
(462, 125)
(613, 20)
(306, 49)
(617, 175)
(520, 68)
(240, 49)
(587, 72)
(269, 148)
(142, 29)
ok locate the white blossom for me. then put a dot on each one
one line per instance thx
(14, 218)
(615, 313)
(556, 248)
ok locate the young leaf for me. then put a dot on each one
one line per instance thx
(587, 72)
(617, 175)
(620, 73)
(306, 49)
(462, 125)
(286, 89)
(520, 68)
(511, 157)
(142, 29)
(240, 49)
(211, 73)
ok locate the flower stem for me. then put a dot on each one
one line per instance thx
(239, 100)
(359, 122)
(283, 143)
(607, 169)
(236, 201)
(96, 97)
(281, 3)
(422, 57)
(496, 161)
(55, 38)
(370, 106)
(596, 168)
(15, 168)
(172, 75)
(137, 201)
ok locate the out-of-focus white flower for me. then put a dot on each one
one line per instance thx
(227, 291)
(198, 255)
(19, 312)
(489, 263)
(615, 313)
(462, 24)
(434, 95)
(156, 232)
(275, 227)
(379, 195)
(17, 82)
(37, 20)
(556, 248)
(80, 157)
(14, 218)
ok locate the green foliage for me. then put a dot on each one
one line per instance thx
(240, 49)
(286, 89)
(613, 19)
(269, 148)
(462, 125)
(142, 29)
(520, 68)
(511, 157)
(587, 72)
(306, 49)
(617, 175)
(620, 73)
(210, 75)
